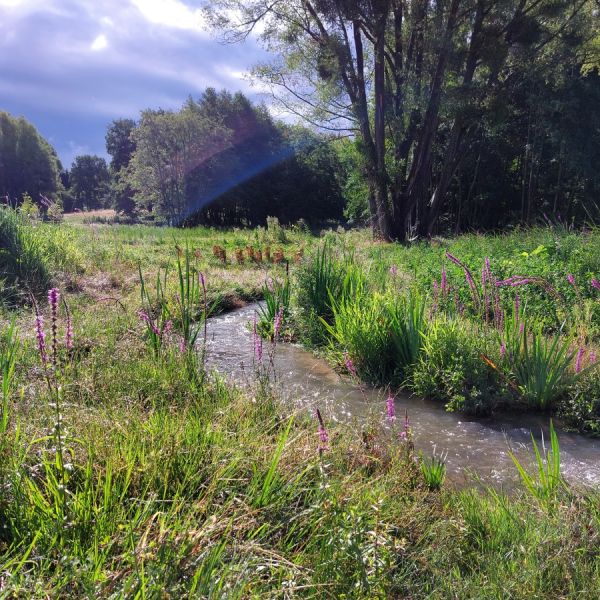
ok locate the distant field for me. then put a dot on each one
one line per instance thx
(79, 217)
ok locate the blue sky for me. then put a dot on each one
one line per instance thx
(72, 66)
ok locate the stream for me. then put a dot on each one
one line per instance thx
(476, 448)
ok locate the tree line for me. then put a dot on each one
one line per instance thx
(220, 160)
(464, 113)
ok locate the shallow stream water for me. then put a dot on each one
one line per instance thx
(477, 449)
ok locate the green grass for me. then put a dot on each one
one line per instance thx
(159, 483)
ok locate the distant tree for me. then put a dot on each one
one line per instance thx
(89, 179)
(120, 144)
(28, 163)
(170, 147)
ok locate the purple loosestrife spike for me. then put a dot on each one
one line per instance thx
(202, 280)
(595, 283)
(592, 358)
(571, 279)
(349, 364)
(278, 322)
(405, 433)
(323, 434)
(444, 282)
(390, 409)
(503, 350)
(579, 359)
(167, 328)
(41, 338)
(182, 345)
(53, 300)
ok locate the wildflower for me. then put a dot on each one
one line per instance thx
(444, 282)
(571, 279)
(390, 409)
(592, 358)
(53, 299)
(349, 364)
(405, 433)
(278, 321)
(182, 344)
(579, 359)
(41, 338)
(503, 350)
(202, 280)
(167, 328)
(595, 283)
(393, 270)
(322, 432)
(146, 319)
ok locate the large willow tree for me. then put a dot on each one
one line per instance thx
(410, 79)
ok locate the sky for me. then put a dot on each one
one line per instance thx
(72, 66)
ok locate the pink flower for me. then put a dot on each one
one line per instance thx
(322, 432)
(41, 338)
(53, 300)
(595, 283)
(349, 364)
(278, 321)
(503, 349)
(579, 359)
(571, 279)
(390, 409)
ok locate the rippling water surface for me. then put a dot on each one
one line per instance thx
(474, 447)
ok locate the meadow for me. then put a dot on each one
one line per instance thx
(128, 470)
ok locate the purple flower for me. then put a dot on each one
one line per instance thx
(390, 409)
(595, 283)
(444, 282)
(278, 321)
(503, 350)
(393, 270)
(53, 300)
(592, 358)
(405, 433)
(322, 432)
(202, 280)
(41, 338)
(167, 328)
(349, 364)
(571, 279)
(146, 319)
(579, 359)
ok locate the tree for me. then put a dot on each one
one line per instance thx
(409, 79)
(170, 147)
(28, 164)
(89, 178)
(120, 144)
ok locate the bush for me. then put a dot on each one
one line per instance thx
(581, 409)
(451, 369)
(23, 265)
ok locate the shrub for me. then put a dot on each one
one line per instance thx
(581, 407)
(451, 369)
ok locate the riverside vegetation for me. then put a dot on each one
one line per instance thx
(127, 470)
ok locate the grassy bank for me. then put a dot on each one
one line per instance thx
(127, 471)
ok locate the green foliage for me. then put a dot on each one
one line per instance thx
(407, 328)
(28, 164)
(434, 471)
(451, 369)
(277, 297)
(361, 327)
(23, 264)
(542, 367)
(318, 280)
(89, 179)
(545, 486)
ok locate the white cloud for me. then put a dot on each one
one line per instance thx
(99, 43)
(171, 13)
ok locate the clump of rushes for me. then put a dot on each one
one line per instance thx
(434, 471)
(277, 297)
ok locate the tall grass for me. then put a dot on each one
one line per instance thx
(23, 266)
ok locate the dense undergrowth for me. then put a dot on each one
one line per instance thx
(127, 471)
(459, 323)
